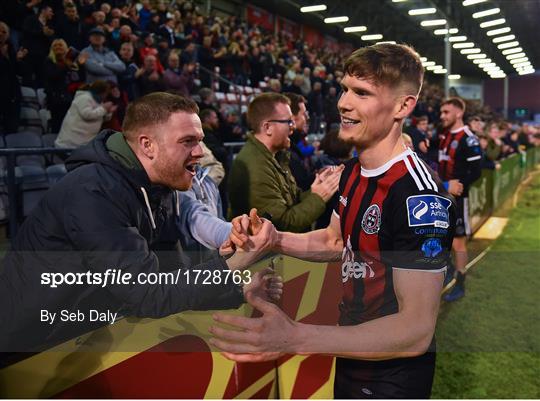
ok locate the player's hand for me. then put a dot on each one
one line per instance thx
(257, 357)
(255, 247)
(272, 333)
(266, 285)
(455, 187)
(243, 226)
(326, 183)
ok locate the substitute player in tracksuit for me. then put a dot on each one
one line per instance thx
(460, 158)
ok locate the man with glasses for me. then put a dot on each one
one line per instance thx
(261, 178)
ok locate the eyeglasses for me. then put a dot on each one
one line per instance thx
(289, 122)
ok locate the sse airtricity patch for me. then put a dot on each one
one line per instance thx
(428, 210)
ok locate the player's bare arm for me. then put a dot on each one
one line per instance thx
(325, 245)
(406, 333)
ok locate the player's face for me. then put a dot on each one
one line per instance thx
(367, 111)
(178, 150)
(449, 115)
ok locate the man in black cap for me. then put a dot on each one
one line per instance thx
(102, 63)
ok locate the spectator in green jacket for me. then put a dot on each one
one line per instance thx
(260, 175)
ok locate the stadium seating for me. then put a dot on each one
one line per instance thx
(29, 98)
(42, 98)
(55, 173)
(26, 139)
(30, 167)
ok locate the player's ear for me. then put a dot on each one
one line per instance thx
(406, 104)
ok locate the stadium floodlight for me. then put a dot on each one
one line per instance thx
(521, 65)
(440, 71)
(433, 22)
(445, 31)
(505, 38)
(423, 11)
(508, 45)
(531, 71)
(485, 13)
(310, 9)
(491, 68)
(519, 60)
(391, 42)
(498, 31)
(482, 61)
(487, 65)
(517, 55)
(494, 22)
(470, 51)
(454, 76)
(423, 59)
(480, 56)
(512, 51)
(359, 28)
(457, 38)
(497, 76)
(334, 20)
(398, 1)
(463, 45)
(374, 36)
(472, 2)
(434, 67)
(428, 63)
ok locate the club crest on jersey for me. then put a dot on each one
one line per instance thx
(428, 210)
(371, 222)
(343, 200)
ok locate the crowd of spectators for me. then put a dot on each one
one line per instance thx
(93, 57)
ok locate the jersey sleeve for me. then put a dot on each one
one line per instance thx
(423, 229)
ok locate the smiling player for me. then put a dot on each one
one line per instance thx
(392, 231)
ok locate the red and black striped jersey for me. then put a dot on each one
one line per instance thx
(394, 217)
(460, 157)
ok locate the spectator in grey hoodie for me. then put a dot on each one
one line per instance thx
(102, 64)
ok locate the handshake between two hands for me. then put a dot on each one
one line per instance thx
(251, 237)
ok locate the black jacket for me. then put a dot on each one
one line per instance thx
(97, 218)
